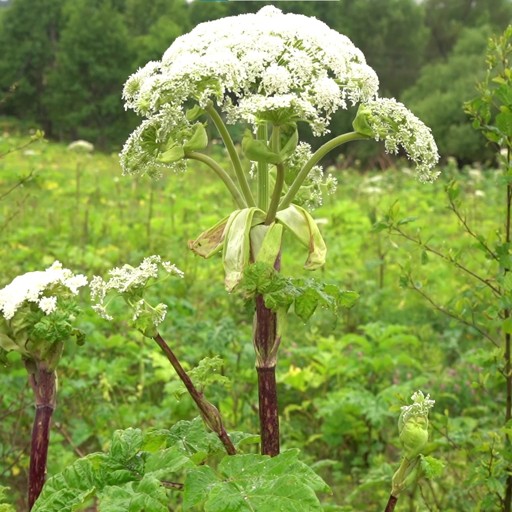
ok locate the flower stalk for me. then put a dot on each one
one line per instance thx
(233, 154)
(209, 412)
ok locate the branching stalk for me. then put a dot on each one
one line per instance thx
(209, 412)
(233, 154)
(222, 174)
(315, 158)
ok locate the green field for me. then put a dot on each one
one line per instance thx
(341, 380)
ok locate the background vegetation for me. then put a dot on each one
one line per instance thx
(63, 62)
(416, 325)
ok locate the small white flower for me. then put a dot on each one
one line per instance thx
(130, 282)
(390, 121)
(48, 304)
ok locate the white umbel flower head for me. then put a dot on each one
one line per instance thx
(41, 288)
(266, 66)
(390, 121)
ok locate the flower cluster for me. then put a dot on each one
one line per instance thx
(42, 288)
(310, 193)
(389, 120)
(266, 66)
(131, 282)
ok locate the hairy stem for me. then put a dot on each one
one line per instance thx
(209, 412)
(315, 158)
(221, 173)
(233, 154)
(391, 503)
(266, 344)
(43, 382)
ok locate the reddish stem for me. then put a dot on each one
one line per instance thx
(42, 381)
(266, 343)
(391, 503)
(209, 412)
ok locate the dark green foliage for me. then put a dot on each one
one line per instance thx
(93, 59)
(439, 94)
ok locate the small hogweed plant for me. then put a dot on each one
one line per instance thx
(265, 73)
(38, 317)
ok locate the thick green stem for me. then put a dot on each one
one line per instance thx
(278, 187)
(209, 413)
(263, 193)
(43, 383)
(222, 174)
(233, 154)
(315, 158)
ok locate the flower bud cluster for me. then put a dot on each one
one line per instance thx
(131, 282)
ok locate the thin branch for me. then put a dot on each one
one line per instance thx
(468, 229)
(18, 184)
(438, 253)
(209, 412)
(451, 314)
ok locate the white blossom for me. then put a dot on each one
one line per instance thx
(40, 287)
(256, 66)
(391, 122)
(130, 282)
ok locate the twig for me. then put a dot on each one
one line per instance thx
(451, 314)
(209, 412)
(438, 253)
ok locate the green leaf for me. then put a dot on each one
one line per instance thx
(303, 226)
(432, 467)
(126, 444)
(258, 150)
(504, 123)
(289, 136)
(267, 250)
(193, 113)
(210, 242)
(237, 244)
(360, 123)
(255, 482)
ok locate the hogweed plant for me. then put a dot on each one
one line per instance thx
(265, 72)
(38, 316)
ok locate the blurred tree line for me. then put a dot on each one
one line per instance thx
(63, 62)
